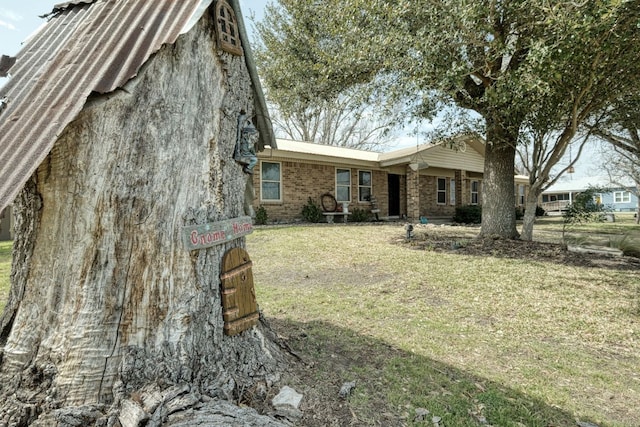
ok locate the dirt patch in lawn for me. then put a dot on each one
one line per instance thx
(455, 240)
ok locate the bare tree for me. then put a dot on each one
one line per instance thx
(539, 154)
(619, 126)
(622, 165)
(344, 121)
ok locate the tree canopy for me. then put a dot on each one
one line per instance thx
(619, 126)
(517, 64)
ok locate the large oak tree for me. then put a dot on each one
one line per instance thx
(504, 60)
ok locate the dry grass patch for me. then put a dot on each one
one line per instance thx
(541, 328)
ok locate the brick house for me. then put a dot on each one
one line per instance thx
(429, 180)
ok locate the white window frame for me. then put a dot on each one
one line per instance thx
(452, 191)
(475, 192)
(343, 185)
(370, 186)
(442, 191)
(262, 181)
(621, 197)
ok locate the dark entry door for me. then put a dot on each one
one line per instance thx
(394, 194)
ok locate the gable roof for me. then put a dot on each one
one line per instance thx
(88, 46)
(332, 151)
(437, 154)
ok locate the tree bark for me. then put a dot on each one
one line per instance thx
(110, 316)
(529, 218)
(498, 197)
(638, 203)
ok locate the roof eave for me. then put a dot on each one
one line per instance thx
(278, 154)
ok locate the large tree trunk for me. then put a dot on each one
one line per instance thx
(111, 319)
(498, 197)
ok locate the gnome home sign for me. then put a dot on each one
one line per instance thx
(239, 306)
(216, 233)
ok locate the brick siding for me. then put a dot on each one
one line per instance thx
(300, 180)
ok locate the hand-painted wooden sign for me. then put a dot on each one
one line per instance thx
(216, 233)
(239, 306)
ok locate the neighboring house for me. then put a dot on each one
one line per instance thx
(6, 224)
(429, 180)
(614, 197)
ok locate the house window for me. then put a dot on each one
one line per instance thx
(521, 194)
(442, 191)
(343, 185)
(474, 192)
(364, 186)
(452, 192)
(228, 36)
(621, 197)
(270, 182)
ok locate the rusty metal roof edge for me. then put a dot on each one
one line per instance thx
(263, 119)
(62, 6)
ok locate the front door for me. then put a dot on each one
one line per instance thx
(394, 194)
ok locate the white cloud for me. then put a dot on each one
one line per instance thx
(10, 15)
(7, 25)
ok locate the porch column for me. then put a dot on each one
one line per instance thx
(413, 194)
(462, 193)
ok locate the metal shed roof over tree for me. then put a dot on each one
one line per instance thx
(87, 47)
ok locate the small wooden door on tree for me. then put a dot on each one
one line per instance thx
(240, 309)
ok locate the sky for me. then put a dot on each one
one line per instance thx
(20, 18)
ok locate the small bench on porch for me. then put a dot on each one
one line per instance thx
(330, 216)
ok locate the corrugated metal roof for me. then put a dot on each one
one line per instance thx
(86, 46)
